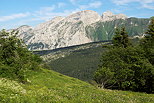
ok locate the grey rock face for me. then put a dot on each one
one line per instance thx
(60, 31)
(109, 16)
(75, 29)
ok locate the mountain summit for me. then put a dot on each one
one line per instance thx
(78, 28)
(109, 16)
(62, 32)
(87, 17)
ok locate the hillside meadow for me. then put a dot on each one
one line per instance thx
(51, 87)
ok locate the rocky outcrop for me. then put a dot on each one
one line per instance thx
(60, 31)
(109, 16)
(25, 33)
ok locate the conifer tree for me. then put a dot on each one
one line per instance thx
(147, 43)
(127, 67)
(150, 30)
(121, 38)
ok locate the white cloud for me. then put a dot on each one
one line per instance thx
(61, 4)
(47, 13)
(116, 10)
(123, 2)
(73, 1)
(146, 1)
(45, 10)
(95, 4)
(149, 4)
(48, 16)
(13, 16)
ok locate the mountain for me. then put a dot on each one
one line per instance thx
(79, 28)
(109, 16)
(25, 32)
(105, 30)
(62, 32)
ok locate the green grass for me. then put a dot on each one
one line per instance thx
(47, 86)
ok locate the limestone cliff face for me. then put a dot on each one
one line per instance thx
(25, 32)
(78, 28)
(109, 16)
(60, 31)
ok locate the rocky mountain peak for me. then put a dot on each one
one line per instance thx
(109, 16)
(78, 28)
(87, 17)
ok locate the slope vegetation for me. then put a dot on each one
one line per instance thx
(105, 30)
(77, 61)
(48, 86)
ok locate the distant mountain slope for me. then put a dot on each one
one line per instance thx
(63, 32)
(79, 61)
(76, 61)
(79, 28)
(105, 30)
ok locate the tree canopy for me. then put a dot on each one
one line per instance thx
(128, 67)
(15, 59)
(120, 38)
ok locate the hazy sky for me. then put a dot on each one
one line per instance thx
(14, 13)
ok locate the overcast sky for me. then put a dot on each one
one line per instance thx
(14, 13)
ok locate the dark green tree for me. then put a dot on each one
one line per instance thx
(131, 69)
(121, 38)
(103, 76)
(15, 59)
(129, 66)
(147, 43)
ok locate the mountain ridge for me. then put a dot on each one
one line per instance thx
(78, 28)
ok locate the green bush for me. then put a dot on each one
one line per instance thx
(15, 59)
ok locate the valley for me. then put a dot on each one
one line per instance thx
(76, 61)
